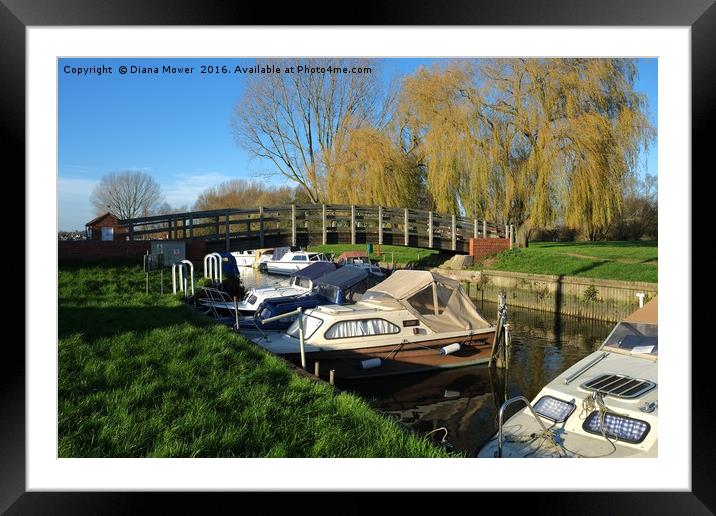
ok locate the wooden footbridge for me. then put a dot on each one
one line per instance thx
(238, 229)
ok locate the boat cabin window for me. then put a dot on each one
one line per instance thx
(423, 301)
(310, 325)
(299, 258)
(330, 292)
(301, 282)
(361, 328)
(634, 338)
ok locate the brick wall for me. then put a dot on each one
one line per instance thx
(97, 251)
(482, 247)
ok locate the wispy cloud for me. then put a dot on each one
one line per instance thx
(185, 188)
(74, 205)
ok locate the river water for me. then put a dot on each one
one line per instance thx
(458, 407)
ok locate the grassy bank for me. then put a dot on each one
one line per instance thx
(627, 261)
(145, 376)
(402, 255)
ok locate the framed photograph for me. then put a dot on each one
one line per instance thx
(204, 186)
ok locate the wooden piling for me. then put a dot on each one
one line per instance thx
(317, 368)
(332, 377)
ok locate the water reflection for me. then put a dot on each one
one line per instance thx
(465, 401)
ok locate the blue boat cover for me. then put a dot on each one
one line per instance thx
(229, 267)
(344, 278)
(315, 270)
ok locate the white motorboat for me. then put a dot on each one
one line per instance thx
(605, 405)
(244, 258)
(413, 321)
(293, 261)
(361, 260)
(300, 282)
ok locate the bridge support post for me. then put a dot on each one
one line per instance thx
(406, 232)
(475, 231)
(507, 231)
(430, 229)
(183, 228)
(293, 225)
(380, 225)
(131, 230)
(484, 229)
(454, 234)
(169, 229)
(191, 227)
(324, 237)
(353, 224)
(261, 226)
(228, 233)
(512, 235)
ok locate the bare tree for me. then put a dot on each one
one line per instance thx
(127, 194)
(300, 121)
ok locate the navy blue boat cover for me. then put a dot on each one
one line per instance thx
(345, 277)
(315, 270)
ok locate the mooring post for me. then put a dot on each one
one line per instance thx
(406, 236)
(380, 225)
(332, 377)
(236, 312)
(293, 225)
(317, 368)
(430, 229)
(353, 224)
(324, 237)
(228, 232)
(261, 226)
(484, 229)
(454, 233)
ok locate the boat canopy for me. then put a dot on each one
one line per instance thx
(647, 314)
(315, 270)
(343, 278)
(347, 255)
(438, 301)
(278, 252)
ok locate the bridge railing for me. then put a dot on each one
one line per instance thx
(301, 225)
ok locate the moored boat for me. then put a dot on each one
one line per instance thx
(244, 258)
(413, 321)
(293, 261)
(360, 259)
(605, 405)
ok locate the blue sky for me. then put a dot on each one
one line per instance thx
(177, 128)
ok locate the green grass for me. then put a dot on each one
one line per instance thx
(628, 261)
(401, 255)
(146, 376)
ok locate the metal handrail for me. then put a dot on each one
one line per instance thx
(506, 404)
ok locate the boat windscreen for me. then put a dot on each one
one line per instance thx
(634, 338)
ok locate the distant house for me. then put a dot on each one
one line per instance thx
(105, 227)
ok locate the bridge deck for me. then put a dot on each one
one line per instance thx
(301, 225)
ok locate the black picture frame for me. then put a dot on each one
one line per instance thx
(17, 15)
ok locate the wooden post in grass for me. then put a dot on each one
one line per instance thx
(332, 377)
(317, 368)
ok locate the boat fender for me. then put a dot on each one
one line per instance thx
(370, 363)
(450, 348)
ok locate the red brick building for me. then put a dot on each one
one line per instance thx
(105, 228)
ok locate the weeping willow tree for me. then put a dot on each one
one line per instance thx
(375, 170)
(526, 141)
